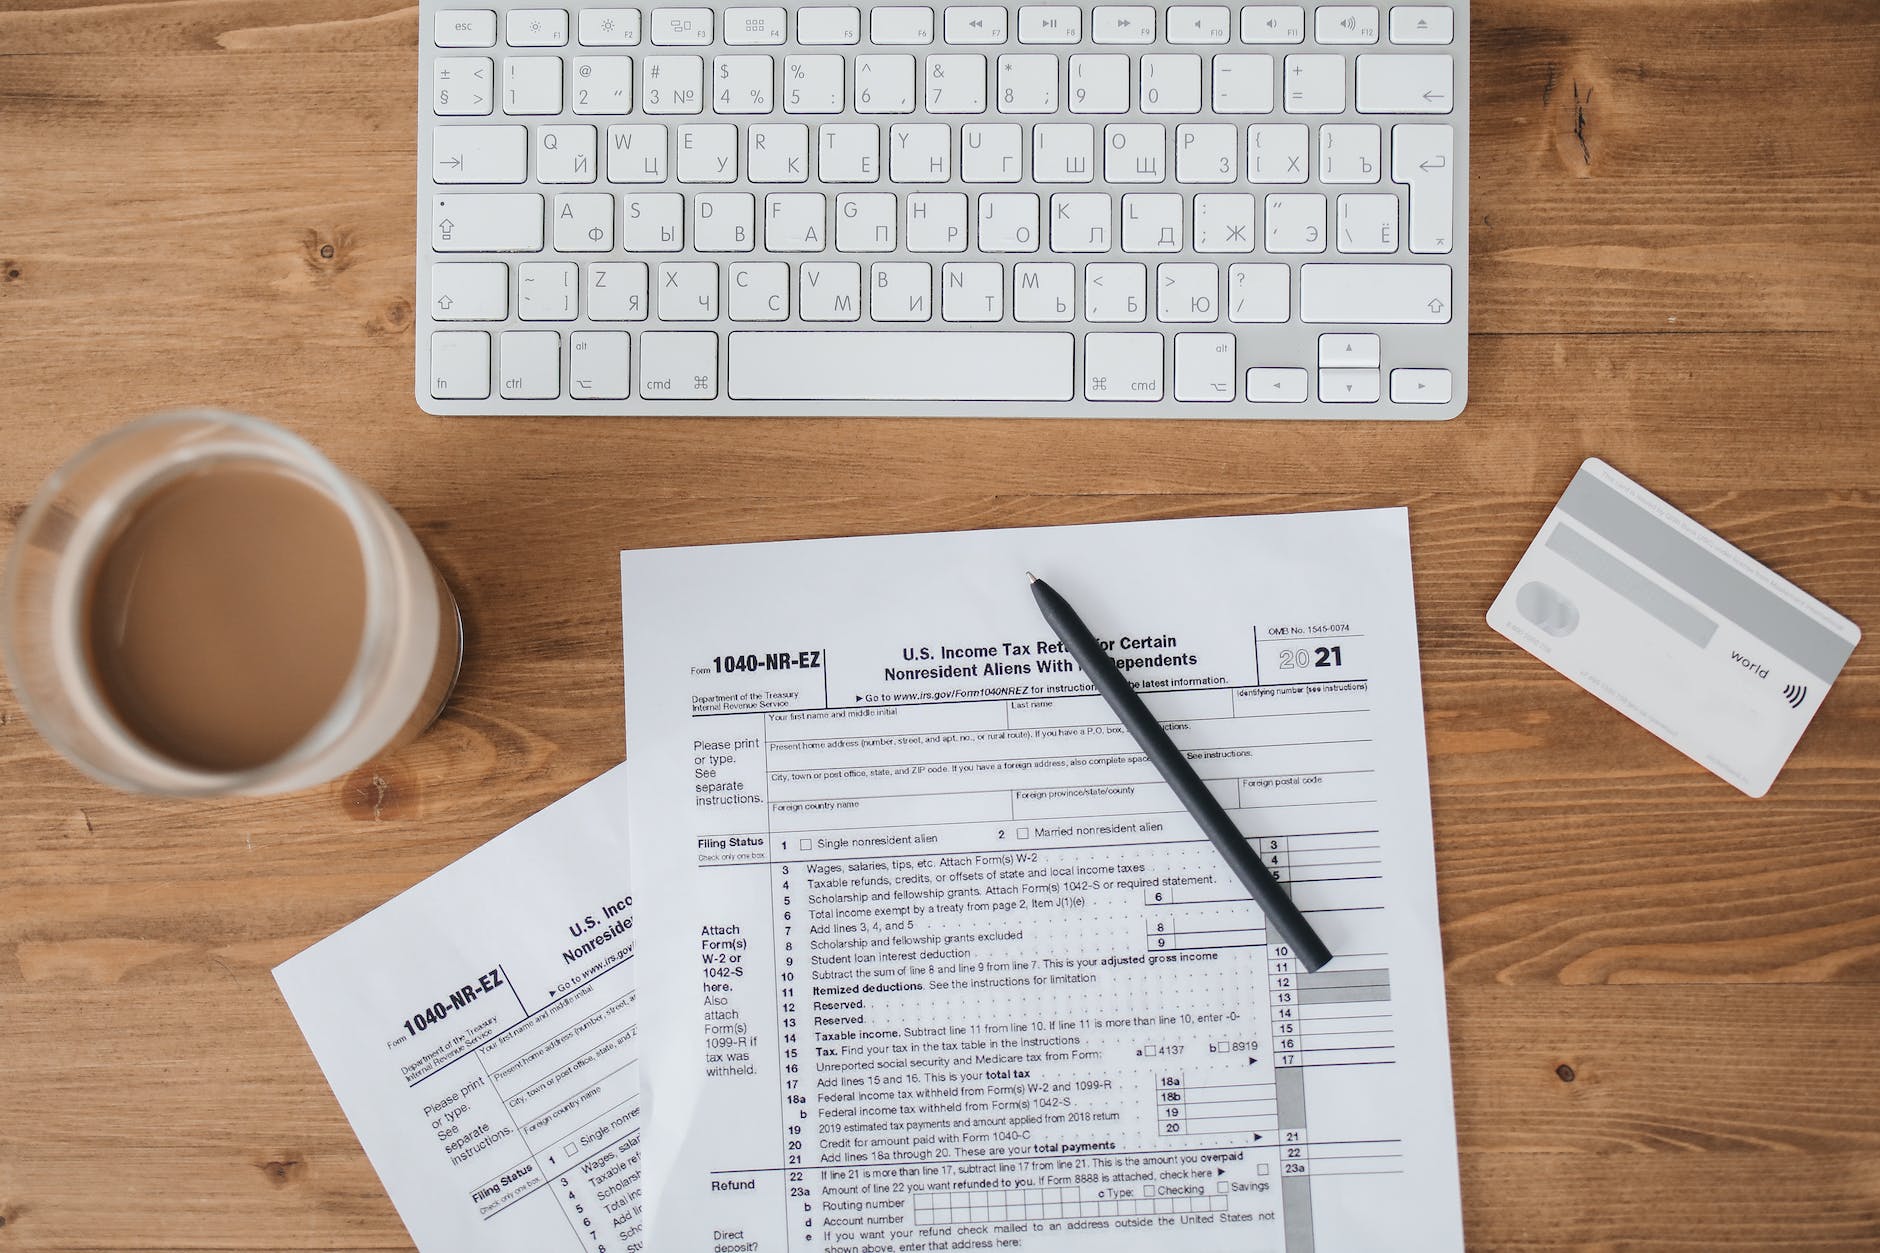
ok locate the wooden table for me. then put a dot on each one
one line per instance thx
(1664, 997)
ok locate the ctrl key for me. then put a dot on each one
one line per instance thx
(460, 365)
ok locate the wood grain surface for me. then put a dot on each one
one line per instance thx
(1664, 997)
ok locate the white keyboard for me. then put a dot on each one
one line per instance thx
(1037, 210)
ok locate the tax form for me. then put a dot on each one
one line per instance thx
(479, 1031)
(938, 962)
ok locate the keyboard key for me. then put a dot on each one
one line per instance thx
(884, 83)
(724, 222)
(1385, 294)
(1272, 24)
(1152, 223)
(937, 222)
(597, 365)
(1367, 223)
(1350, 154)
(901, 291)
(1122, 365)
(1243, 84)
(1420, 24)
(742, 84)
(1100, 83)
(1008, 222)
(795, 222)
(746, 28)
(1208, 153)
(1277, 384)
(487, 222)
(1188, 291)
(470, 291)
(682, 28)
(1028, 83)
(460, 365)
(530, 368)
(1315, 83)
(865, 221)
(1063, 152)
(464, 28)
(652, 222)
(992, 153)
(920, 153)
(830, 292)
(1199, 24)
(1420, 387)
(1204, 367)
(679, 365)
(813, 84)
(1355, 352)
(1133, 152)
(1224, 222)
(1407, 83)
(779, 153)
(708, 153)
(900, 25)
(1260, 291)
(460, 86)
(547, 291)
(1276, 152)
(900, 365)
(584, 222)
(610, 28)
(1080, 222)
(1122, 24)
(1422, 155)
(759, 291)
(537, 28)
(956, 83)
(672, 85)
(828, 26)
(636, 153)
(564, 154)
(1348, 387)
(849, 152)
(1044, 293)
(687, 291)
(603, 85)
(1171, 83)
(975, 25)
(1296, 223)
(1346, 24)
(532, 85)
(479, 154)
(1116, 291)
(616, 291)
(1050, 24)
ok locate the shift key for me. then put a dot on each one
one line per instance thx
(487, 222)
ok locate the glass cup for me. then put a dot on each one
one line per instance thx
(410, 647)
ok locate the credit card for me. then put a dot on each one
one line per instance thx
(1683, 633)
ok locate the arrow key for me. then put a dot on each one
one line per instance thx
(1276, 385)
(1420, 387)
(1348, 387)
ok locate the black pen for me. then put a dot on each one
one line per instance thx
(1180, 775)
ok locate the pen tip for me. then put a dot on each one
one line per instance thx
(1031, 576)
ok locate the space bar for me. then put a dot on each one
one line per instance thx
(900, 365)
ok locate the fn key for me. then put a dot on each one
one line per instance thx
(460, 365)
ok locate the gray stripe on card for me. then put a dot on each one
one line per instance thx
(1629, 583)
(1721, 587)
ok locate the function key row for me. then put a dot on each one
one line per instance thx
(915, 25)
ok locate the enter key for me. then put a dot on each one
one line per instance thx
(1423, 155)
